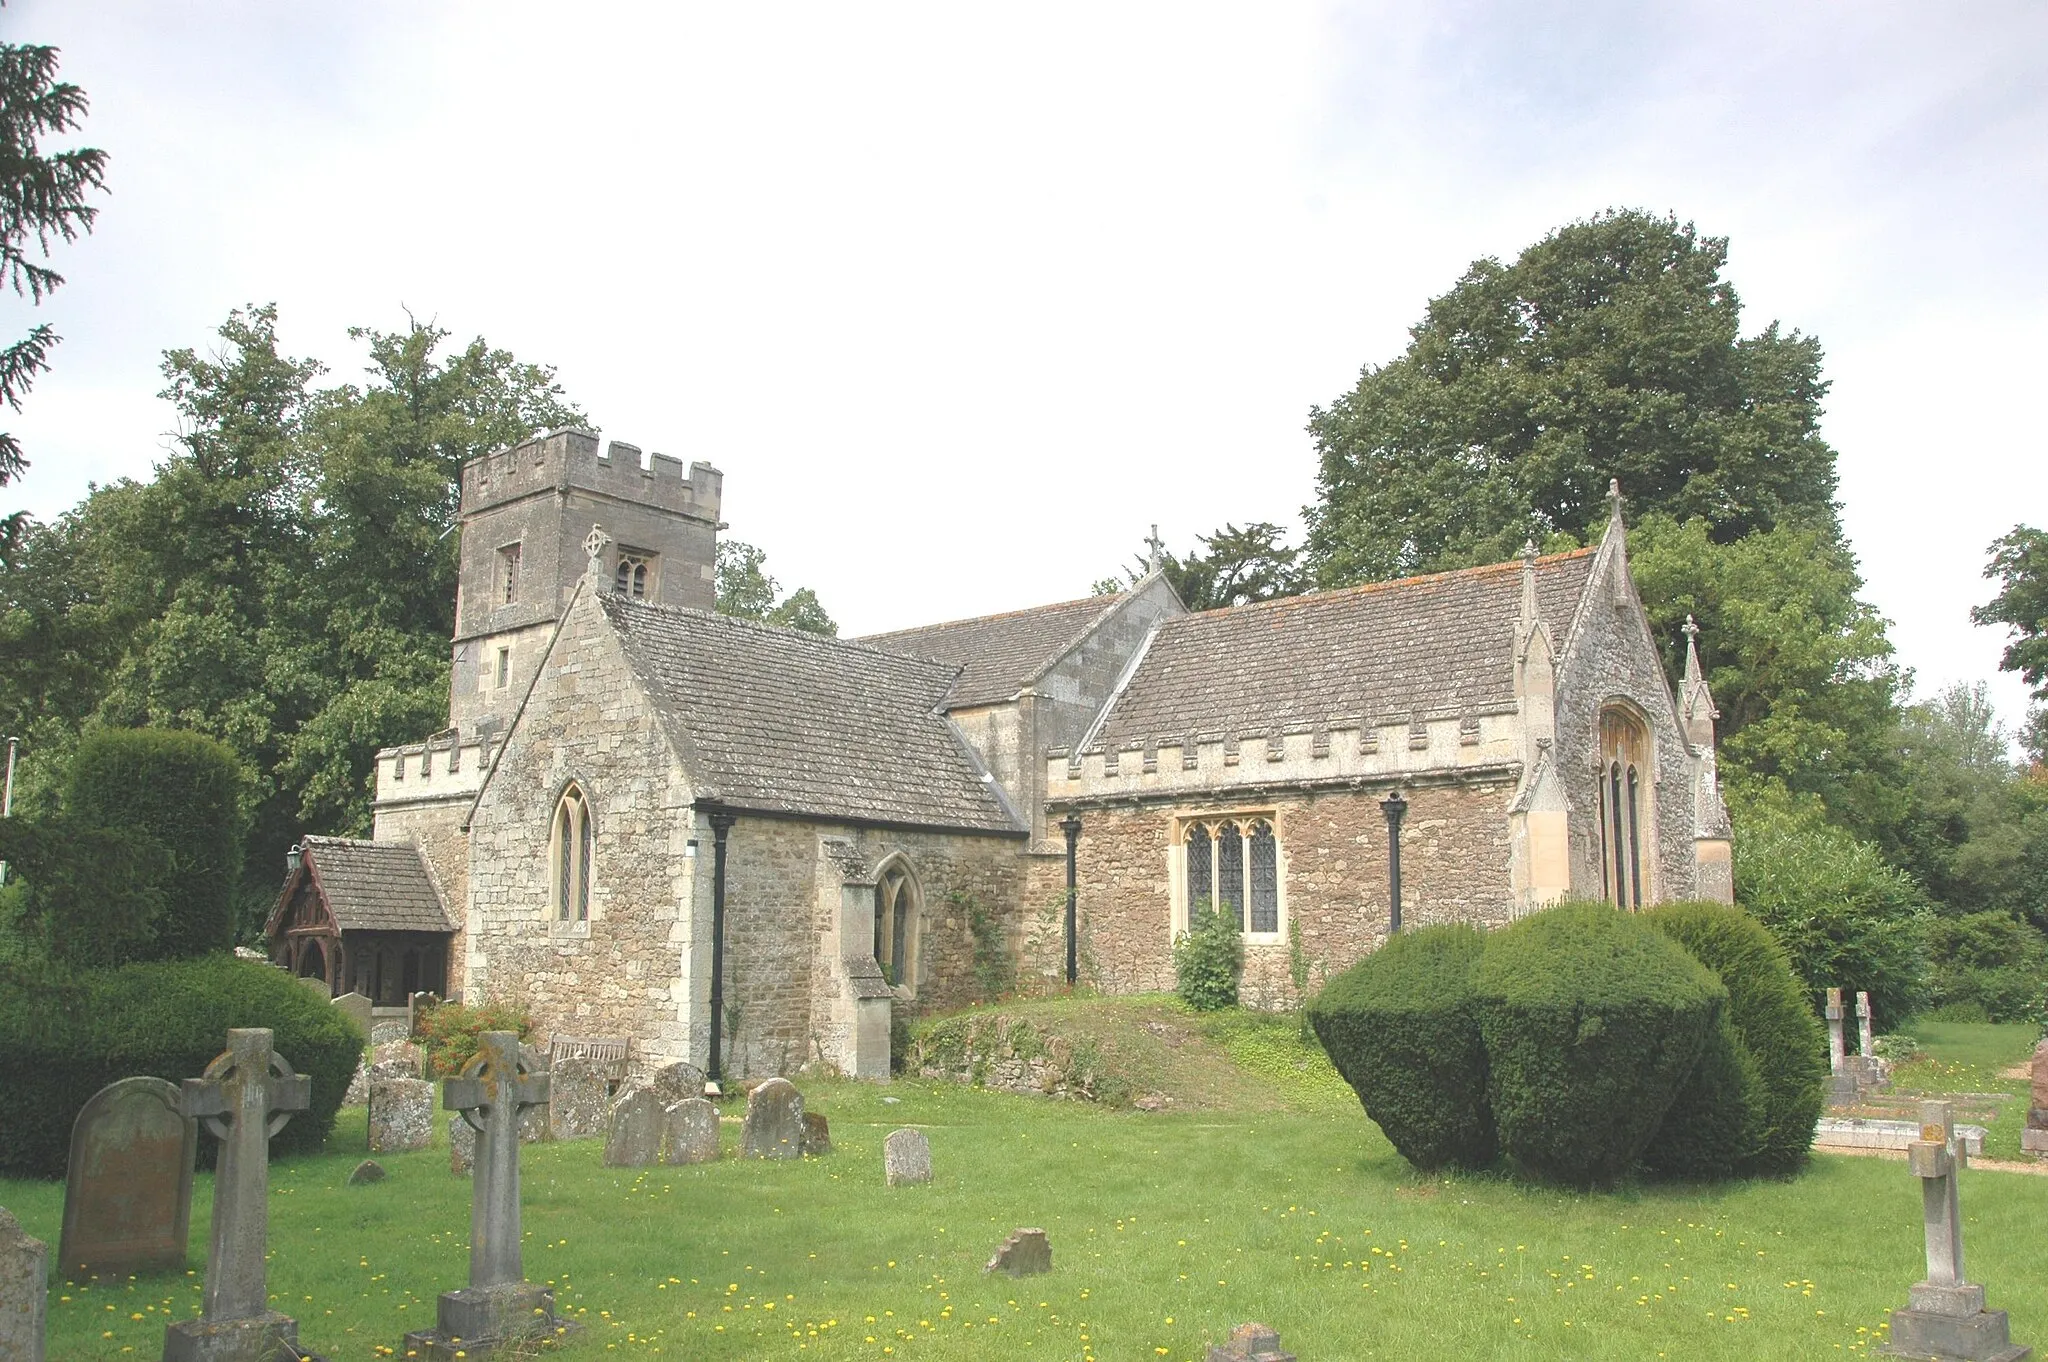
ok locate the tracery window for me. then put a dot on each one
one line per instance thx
(634, 575)
(571, 849)
(1231, 864)
(897, 900)
(1627, 827)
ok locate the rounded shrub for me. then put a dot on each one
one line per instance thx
(65, 1035)
(1715, 1126)
(1206, 961)
(1769, 1015)
(1592, 1021)
(1402, 1028)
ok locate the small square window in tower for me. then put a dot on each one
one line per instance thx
(508, 574)
(635, 575)
(504, 673)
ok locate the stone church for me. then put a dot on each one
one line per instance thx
(747, 847)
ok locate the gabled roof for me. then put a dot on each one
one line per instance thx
(372, 886)
(779, 721)
(999, 655)
(1379, 653)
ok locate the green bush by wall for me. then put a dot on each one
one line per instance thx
(185, 790)
(1768, 1011)
(1715, 1128)
(1592, 1021)
(1402, 1027)
(1206, 960)
(90, 898)
(65, 1035)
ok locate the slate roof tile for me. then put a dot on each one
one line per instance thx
(376, 886)
(1384, 652)
(999, 654)
(780, 721)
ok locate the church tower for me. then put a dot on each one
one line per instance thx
(525, 513)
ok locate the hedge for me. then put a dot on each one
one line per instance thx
(1402, 1028)
(184, 790)
(1592, 1021)
(92, 897)
(1715, 1128)
(65, 1035)
(1767, 1008)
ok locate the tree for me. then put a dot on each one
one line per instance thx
(1233, 566)
(746, 591)
(1610, 349)
(42, 199)
(2019, 563)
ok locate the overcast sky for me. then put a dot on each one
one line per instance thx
(963, 298)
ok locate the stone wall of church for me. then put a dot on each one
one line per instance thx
(435, 827)
(1333, 847)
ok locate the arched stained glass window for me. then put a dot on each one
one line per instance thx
(1264, 879)
(1230, 873)
(1201, 883)
(1232, 866)
(572, 847)
(896, 920)
(1627, 823)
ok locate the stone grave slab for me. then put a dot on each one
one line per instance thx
(689, 1132)
(580, 1101)
(461, 1146)
(358, 1093)
(634, 1140)
(678, 1082)
(774, 1127)
(384, 1032)
(1027, 1253)
(1250, 1343)
(398, 1059)
(906, 1158)
(401, 1115)
(128, 1182)
(817, 1134)
(24, 1291)
(357, 1007)
(365, 1173)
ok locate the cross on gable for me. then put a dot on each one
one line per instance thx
(494, 1076)
(216, 1096)
(593, 544)
(1158, 549)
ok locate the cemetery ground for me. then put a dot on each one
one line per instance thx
(1274, 1199)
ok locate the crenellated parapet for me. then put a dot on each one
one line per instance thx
(566, 459)
(449, 765)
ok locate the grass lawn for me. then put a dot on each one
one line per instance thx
(1166, 1228)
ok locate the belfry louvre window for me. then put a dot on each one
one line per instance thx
(1627, 827)
(1231, 864)
(571, 849)
(508, 574)
(634, 576)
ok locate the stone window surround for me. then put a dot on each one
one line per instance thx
(897, 866)
(571, 815)
(1176, 860)
(1636, 756)
(636, 573)
(507, 592)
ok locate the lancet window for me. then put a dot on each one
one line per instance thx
(897, 900)
(1231, 865)
(571, 850)
(1627, 827)
(634, 575)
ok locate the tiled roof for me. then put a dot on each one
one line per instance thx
(376, 886)
(999, 654)
(780, 721)
(1388, 651)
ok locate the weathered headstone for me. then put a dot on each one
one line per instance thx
(398, 1059)
(365, 1173)
(906, 1158)
(679, 1082)
(357, 1008)
(384, 1032)
(1027, 1253)
(2034, 1139)
(358, 1091)
(245, 1097)
(401, 1114)
(1842, 1086)
(461, 1146)
(1250, 1343)
(774, 1127)
(128, 1183)
(689, 1132)
(579, 1101)
(1945, 1316)
(817, 1134)
(1866, 1039)
(316, 986)
(499, 1308)
(24, 1291)
(634, 1140)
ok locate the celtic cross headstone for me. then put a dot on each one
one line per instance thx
(245, 1096)
(499, 1308)
(1866, 1041)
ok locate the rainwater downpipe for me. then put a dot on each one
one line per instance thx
(721, 824)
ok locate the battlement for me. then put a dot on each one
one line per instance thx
(1336, 749)
(449, 765)
(570, 458)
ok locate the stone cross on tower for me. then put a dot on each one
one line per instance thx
(594, 545)
(1945, 1315)
(245, 1096)
(498, 1307)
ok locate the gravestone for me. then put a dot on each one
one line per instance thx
(906, 1158)
(357, 1008)
(1842, 1089)
(499, 1309)
(358, 1092)
(385, 1032)
(1945, 1315)
(461, 1146)
(398, 1059)
(635, 1137)
(317, 986)
(401, 1115)
(689, 1132)
(1866, 1041)
(817, 1134)
(24, 1291)
(128, 1182)
(1027, 1253)
(579, 1101)
(774, 1127)
(2034, 1139)
(245, 1096)
(1250, 1343)
(366, 1172)
(674, 1083)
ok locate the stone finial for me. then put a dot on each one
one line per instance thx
(1614, 497)
(594, 544)
(1156, 558)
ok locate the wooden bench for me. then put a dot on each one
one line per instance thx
(609, 1051)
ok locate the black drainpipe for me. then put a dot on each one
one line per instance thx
(721, 824)
(1071, 825)
(1394, 807)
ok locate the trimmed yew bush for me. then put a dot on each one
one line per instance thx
(1592, 1021)
(1768, 1013)
(1715, 1127)
(1402, 1028)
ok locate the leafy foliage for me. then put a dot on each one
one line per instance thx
(2019, 564)
(1207, 958)
(90, 897)
(1233, 566)
(1402, 1026)
(1714, 1128)
(1977, 835)
(1592, 1021)
(995, 964)
(746, 591)
(65, 1035)
(1987, 966)
(449, 1032)
(1778, 1079)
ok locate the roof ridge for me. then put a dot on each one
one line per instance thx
(1367, 588)
(999, 615)
(790, 632)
